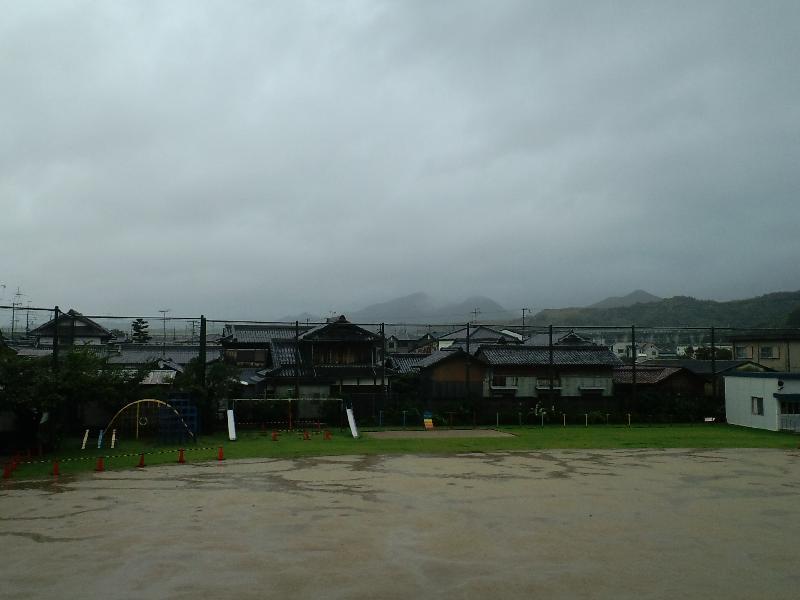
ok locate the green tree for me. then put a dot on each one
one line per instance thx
(704, 353)
(222, 381)
(47, 403)
(793, 319)
(140, 334)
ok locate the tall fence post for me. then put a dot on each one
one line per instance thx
(634, 355)
(467, 376)
(713, 366)
(202, 356)
(384, 390)
(550, 364)
(297, 360)
(56, 315)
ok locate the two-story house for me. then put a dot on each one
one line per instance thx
(776, 350)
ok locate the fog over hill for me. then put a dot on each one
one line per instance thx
(635, 297)
(421, 308)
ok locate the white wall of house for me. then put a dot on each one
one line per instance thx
(79, 341)
(569, 384)
(740, 392)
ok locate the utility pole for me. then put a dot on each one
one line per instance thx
(164, 312)
(14, 304)
(524, 310)
(476, 311)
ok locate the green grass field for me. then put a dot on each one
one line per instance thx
(258, 445)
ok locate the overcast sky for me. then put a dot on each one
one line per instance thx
(254, 159)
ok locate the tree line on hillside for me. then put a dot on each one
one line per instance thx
(780, 309)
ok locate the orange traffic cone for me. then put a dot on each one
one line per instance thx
(141, 461)
(327, 435)
(274, 436)
(100, 467)
(56, 470)
(220, 454)
(181, 459)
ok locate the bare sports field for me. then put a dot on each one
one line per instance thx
(554, 524)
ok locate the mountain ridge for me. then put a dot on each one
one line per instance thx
(768, 310)
(635, 297)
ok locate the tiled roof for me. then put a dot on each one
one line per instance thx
(478, 333)
(260, 334)
(70, 317)
(699, 367)
(438, 356)
(405, 363)
(136, 354)
(283, 352)
(32, 352)
(250, 376)
(341, 324)
(559, 338)
(538, 355)
(644, 375)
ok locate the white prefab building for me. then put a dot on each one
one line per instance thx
(763, 400)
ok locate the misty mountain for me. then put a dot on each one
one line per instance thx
(420, 308)
(770, 310)
(635, 297)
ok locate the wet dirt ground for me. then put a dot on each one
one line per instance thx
(557, 524)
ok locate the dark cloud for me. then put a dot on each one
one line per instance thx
(259, 159)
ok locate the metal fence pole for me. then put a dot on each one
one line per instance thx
(56, 315)
(713, 366)
(634, 354)
(202, 355)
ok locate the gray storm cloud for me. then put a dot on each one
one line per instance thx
(260, 159)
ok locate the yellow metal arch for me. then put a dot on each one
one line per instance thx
(135, 402)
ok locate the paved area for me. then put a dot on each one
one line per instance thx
(559, 524)
(439, 433)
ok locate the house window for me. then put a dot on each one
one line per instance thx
(790, 408)
(757, 405)
(768, 352)
(743, 352)
(503, 381)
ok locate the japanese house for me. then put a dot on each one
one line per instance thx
(73, 330)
